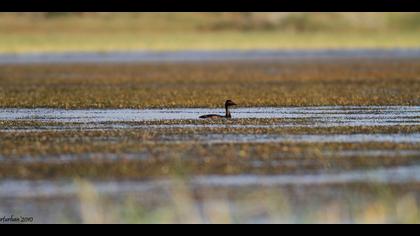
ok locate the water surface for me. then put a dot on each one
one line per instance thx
(203, 56)
(320, 116)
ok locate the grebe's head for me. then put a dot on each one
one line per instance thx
(229, 103)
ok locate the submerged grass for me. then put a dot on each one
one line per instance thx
(142, 153)
(263, 83)
(191, 160)
(142, 129)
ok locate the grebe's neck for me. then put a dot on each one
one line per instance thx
(228, 115)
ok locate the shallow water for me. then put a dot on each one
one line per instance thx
(202, 56)
(144, 156)
(67, 158)
(326, 116)
(28, 188)
(304, 138)
(409, 174)
(317, 116)
(49, 199)
(63, 200)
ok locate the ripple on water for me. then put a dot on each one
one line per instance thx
(335, 115)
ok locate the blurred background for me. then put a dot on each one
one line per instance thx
(102, 32)
(318, 137)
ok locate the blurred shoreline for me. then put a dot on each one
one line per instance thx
(205, 55)
(112, 32)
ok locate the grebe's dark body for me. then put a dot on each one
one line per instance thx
(228, 103)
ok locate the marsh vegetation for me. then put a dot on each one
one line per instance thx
(252, 84)
(311, 141)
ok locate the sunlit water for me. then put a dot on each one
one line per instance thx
(327, 116)
(322, 116)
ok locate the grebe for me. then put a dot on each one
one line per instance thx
(228, 103)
